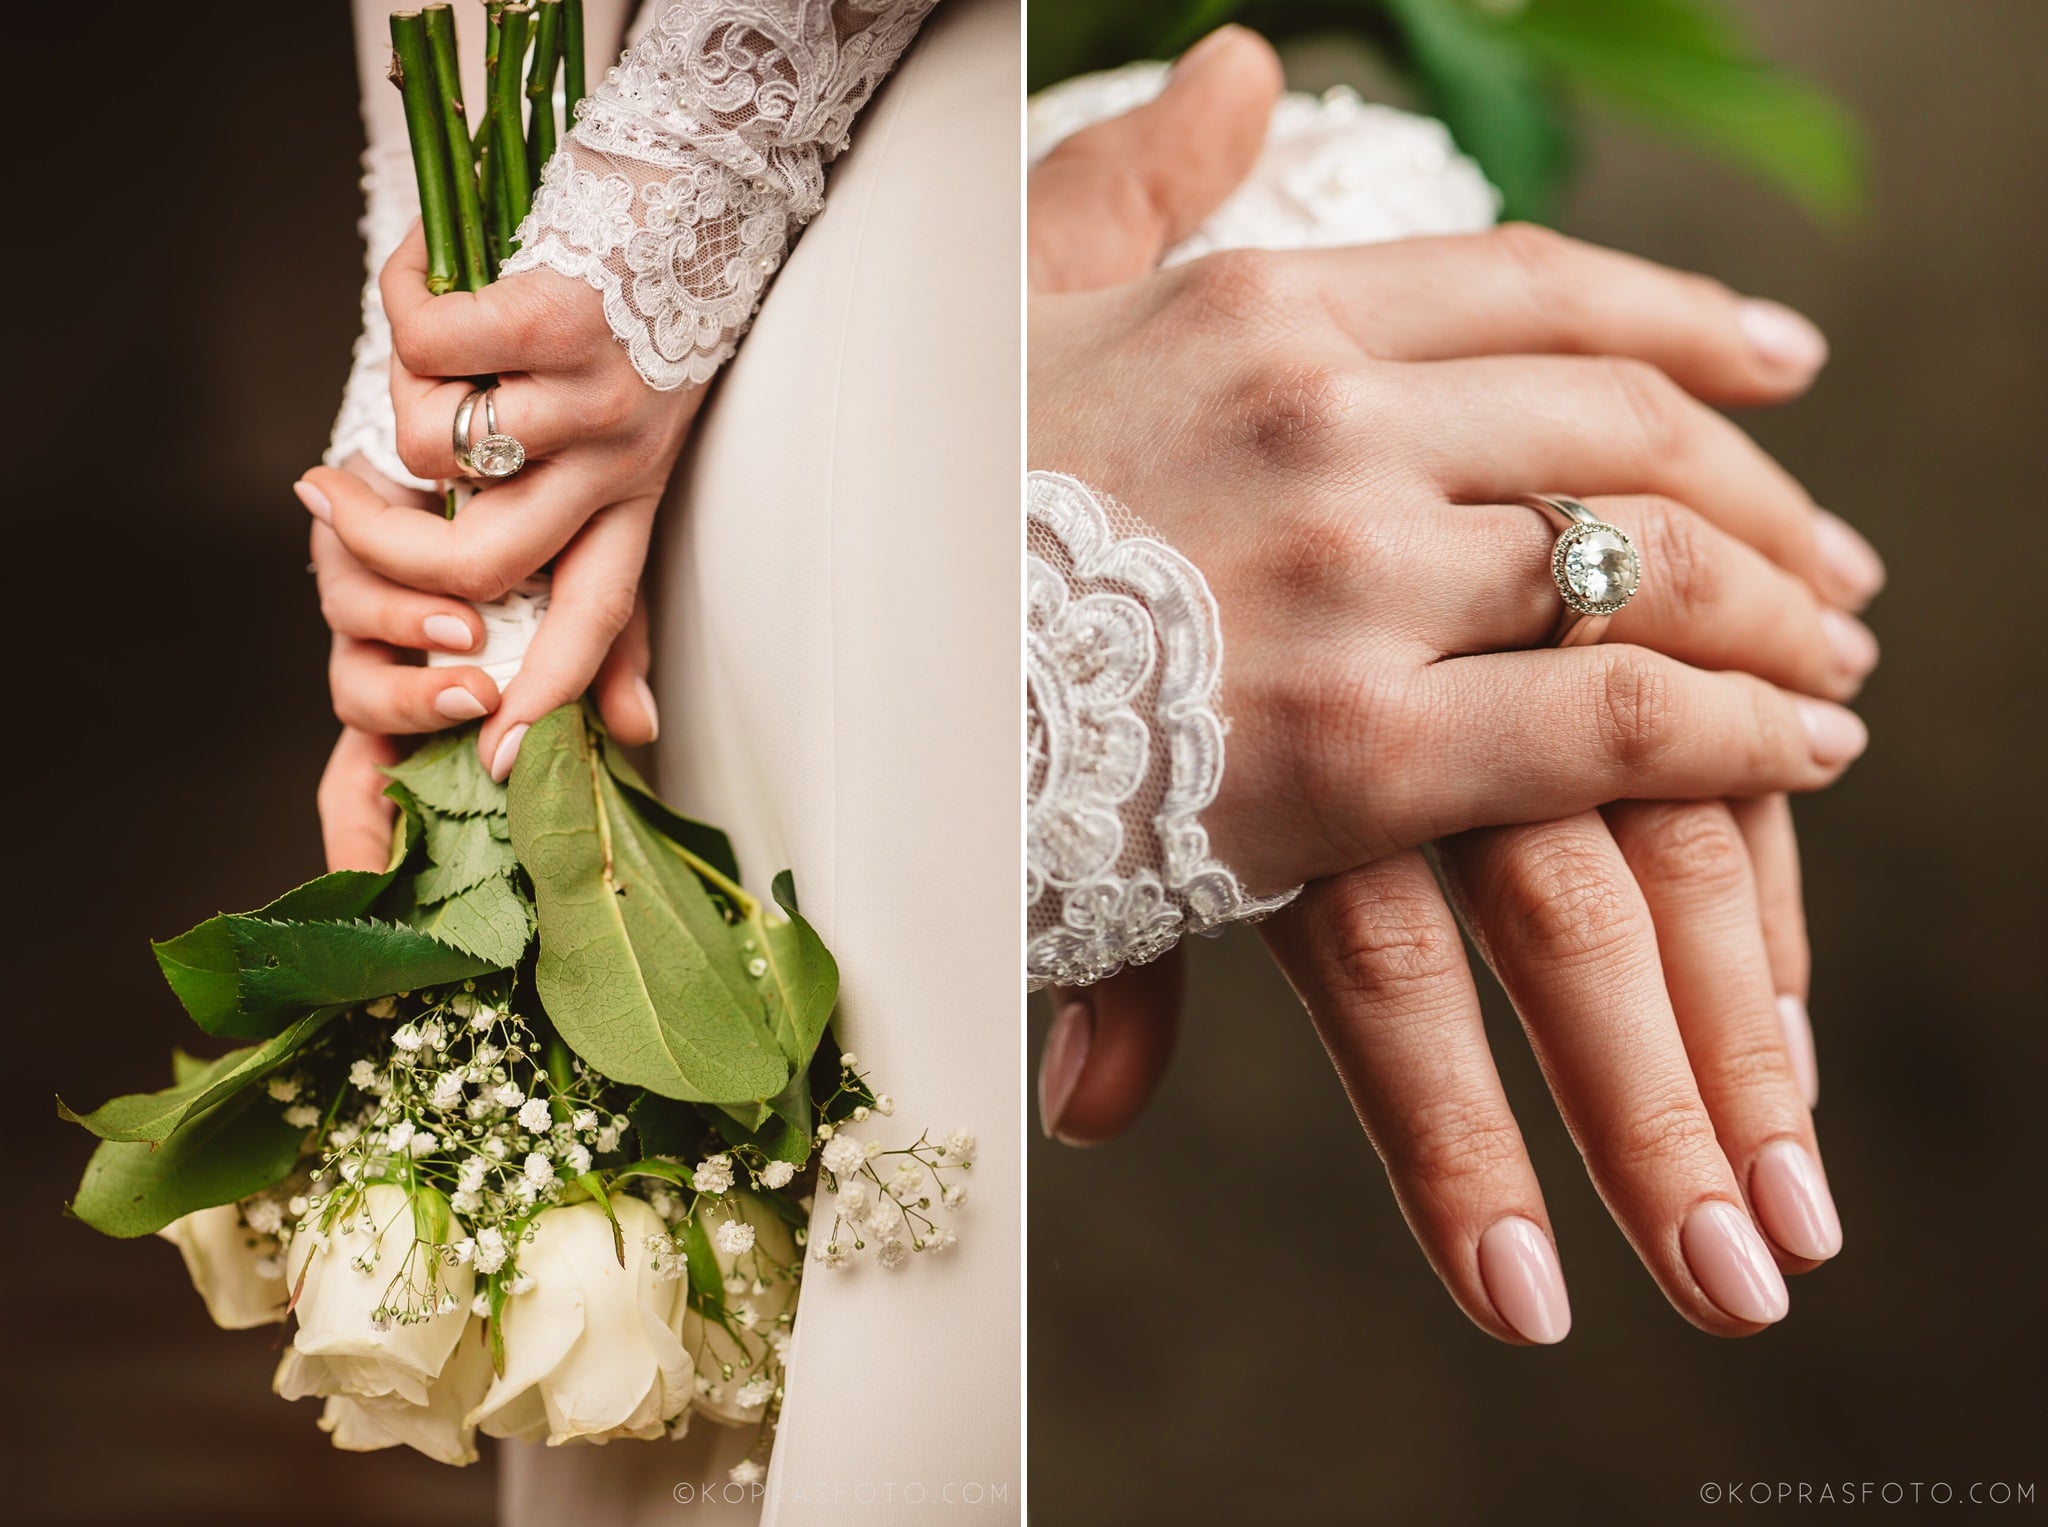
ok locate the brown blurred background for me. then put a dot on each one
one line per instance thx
(184, 285)
(1229, 1322)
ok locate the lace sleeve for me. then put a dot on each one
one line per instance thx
(1124, 739)
(699, 159)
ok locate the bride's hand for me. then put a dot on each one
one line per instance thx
(1570, 912)
(381, 691)
(600, 444)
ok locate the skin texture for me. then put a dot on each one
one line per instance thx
(1334, 439)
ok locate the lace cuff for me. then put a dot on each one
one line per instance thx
(695, 164)
(1124, 741)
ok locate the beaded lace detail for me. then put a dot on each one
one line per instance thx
(698, 160)
(1123, 664)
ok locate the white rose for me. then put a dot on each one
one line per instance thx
(590, 1349)
(338, 1349)
(728, 1359)
(440, 1428)
(239, 1273)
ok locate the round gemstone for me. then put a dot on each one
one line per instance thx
(1601, 567)
(497, 456)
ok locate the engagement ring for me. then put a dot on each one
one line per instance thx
(1594, 565)
(495, 455)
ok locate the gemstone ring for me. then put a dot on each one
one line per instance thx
(1594, 565)
(493, 456)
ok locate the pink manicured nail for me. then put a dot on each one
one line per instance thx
(315, 502)
(508, 752)
(647, 704)
(1847, 555)
(1835, 735)
(1519, 1268)
(1066, 1052)
(1799, 1041)
(1732, 1263)
(448, 632)
(458, 704)
(1781, 336)
(1854, 648)
(1792, 1200)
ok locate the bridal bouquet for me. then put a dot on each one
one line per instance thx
(524, 1130)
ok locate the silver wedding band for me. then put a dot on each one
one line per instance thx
(495, 455)
(1594, 565)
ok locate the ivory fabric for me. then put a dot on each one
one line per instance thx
(838, 612)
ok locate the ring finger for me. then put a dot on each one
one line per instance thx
(524, 408)
(1706, 598)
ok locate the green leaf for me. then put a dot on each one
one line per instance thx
(802, 980)
(461, 852)
(286, 967)
(492, 921)
(431, 1214)
(227, 1153)
(667, 1171)
(707, 1283)
(1681, 65)
(700, 838)
(185, 1067)
(446, 775)
(1500, 103)
(201, 964)
(593, 1184)
(199, 1085)
(666, 1127)
(637, 967)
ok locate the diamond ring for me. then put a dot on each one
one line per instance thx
(495, 455)
(1594, 565)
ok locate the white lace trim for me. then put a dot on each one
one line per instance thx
(698, 160)
(1123, 665)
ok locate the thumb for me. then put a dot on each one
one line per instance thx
(1113, 198)
(1109, 1047)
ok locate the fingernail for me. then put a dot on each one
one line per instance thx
(647, 704)
(1732, 1264)
(1782, 337)
(508, 752)
(1835, 735)
(458, 704)
(315, 502)
(1792, 1200)
(1208, 45)
(1519, 1268)
(1799, 1041)
(1066, 1052)
(447, 631)
(1851, 642)
(1847, 555)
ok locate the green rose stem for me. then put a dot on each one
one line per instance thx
(540, 85)
(575, 83)
(413, 74)
(508, 136)
(469, 213)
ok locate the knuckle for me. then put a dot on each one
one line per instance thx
(1451, 1140)
(611, 608)
(1238, 288)
(1391, 945)
(423, 450)
(1294, 415)
(1656, 411)
(1664, 1131)
(1538, 254)
(1635, 708)
(477, 575)
(1695, 844)
(1755, 1065)
(1565, 901)
(1676, 543)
